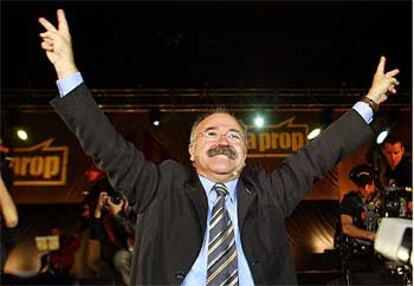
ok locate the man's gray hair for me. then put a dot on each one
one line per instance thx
(215, 111)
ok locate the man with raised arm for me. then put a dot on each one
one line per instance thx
(214, 224)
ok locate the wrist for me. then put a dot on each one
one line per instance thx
(66, 71)
(374, 105)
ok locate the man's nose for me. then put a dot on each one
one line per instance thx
(222, 139)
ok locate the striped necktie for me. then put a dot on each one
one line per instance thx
(222, 254)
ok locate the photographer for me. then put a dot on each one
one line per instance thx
(112, 234)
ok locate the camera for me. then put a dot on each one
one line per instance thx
(116, 198)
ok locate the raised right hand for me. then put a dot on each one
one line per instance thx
(383, 84)
(58, 45)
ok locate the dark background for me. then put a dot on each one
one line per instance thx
(137, 44)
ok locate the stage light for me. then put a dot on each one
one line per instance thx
(314, 133)
(259, 121)
(325, 118)
(383, 134)
(22, 134)
(155, 117)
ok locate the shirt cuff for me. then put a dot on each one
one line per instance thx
(69, 83)
(364, 110)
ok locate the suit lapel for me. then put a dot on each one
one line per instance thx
(195, 192)
(245, 197)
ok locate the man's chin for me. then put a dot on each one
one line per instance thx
(224, 169)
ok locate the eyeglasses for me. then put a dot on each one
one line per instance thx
(213, 135)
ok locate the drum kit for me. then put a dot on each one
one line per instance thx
(393, 202)
(397, 202)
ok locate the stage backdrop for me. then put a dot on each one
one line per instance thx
(50, 176)
(50, 167)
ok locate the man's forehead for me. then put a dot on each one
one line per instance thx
(219, 120)
(393, 147)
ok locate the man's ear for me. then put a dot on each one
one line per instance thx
(191, 152)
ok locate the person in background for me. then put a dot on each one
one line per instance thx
(122, 219)
(60, 261)
(399, 169)
(216, 224)
(397, 177)
(9, 223)
(9, 218)
(112, 234)
(359, 209)
(359, 216)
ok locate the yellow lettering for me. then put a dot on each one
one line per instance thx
(24, 166)
(251, 141)
(36, 166)
(15, 165)
(285, 140)
(297, 141)
(264, 141)
(275, 144)
(51, 169)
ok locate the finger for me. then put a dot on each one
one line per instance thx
(49, 41)
(62, 23)
(381, 65)
(392, 89)
(48, 35)
(47, 46)
(47, 25)
(392, 73)
(394, 81)
(110, 202)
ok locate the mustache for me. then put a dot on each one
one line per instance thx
(222, 150)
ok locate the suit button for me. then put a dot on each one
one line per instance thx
(179, 275)
(253, 263)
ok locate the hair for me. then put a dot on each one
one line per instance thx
(392, 139)
(216, 111)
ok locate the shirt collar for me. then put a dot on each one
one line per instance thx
(208, 185)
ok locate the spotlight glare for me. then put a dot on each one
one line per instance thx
(314, 133)
(259, 121)
(382, 136)
(156, 122)
(22, 134)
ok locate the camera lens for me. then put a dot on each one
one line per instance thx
(116, 198)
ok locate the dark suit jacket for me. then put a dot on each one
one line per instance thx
(172, 204)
